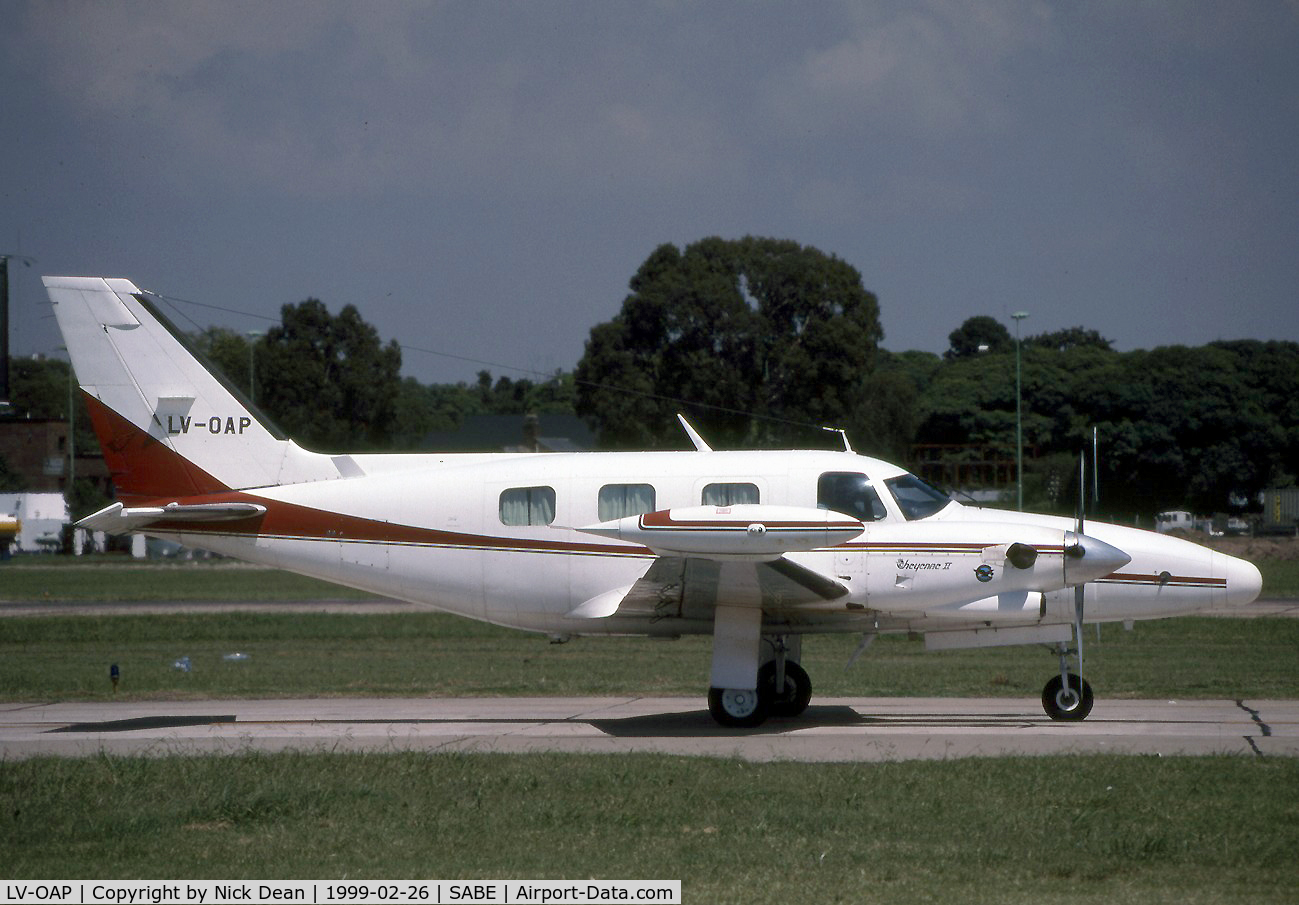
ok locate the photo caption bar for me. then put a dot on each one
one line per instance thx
(323, 892)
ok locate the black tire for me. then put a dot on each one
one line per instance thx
(793, 699)
(737, 708)
(1071, 707)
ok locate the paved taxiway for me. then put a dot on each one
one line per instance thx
(833, 729)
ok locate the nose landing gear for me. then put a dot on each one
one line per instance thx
(1067, 696)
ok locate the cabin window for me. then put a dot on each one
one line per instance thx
(850, 493)
(620, 500)
(528, 506)
(915, 498)
(729, 494)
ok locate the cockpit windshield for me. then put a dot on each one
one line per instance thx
(916, 498)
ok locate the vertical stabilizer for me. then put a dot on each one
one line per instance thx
(168, 426)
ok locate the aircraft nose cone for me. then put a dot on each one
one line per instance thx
(1244, 582)
(1087, 559)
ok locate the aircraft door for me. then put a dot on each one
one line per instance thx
(526, 562)
(852, 494)
(850, 565)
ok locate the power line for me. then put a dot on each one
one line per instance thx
(643, 394)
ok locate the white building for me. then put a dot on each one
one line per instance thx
(41, 517)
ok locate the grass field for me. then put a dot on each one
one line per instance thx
(1015, 830)
(1061, 829)
(116, 578)
(422, 653)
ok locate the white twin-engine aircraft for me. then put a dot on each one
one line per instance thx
(758, 548)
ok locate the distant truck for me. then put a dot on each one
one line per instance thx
(1280, 512)
(1175, 520)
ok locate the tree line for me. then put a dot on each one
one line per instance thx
(763, 342)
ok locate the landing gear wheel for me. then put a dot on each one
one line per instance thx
(1061, 704)
(738, 708)
(794, 697)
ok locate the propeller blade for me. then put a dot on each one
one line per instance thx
(1079, 591)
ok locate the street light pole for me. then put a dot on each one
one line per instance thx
(72, 429)
(253, 336)
(1019, 419)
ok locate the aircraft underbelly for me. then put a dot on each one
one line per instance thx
(515, 584)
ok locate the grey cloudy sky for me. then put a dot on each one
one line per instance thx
(482, 179)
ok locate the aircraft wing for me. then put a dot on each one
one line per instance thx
(693, 587)
(717, 556)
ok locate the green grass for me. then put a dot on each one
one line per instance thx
(1280, 577)
(422, 653)
(1039, 830)
(1054, 829)
(115, 578)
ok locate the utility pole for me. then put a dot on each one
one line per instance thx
(4, 325)
(253, 336)
(1019, 419)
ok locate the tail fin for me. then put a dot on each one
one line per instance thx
(168, 426)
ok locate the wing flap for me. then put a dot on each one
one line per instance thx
(683, 587)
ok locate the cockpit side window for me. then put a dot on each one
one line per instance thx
(850, 493)
(915, 498)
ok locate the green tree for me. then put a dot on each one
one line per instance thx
(507, 396)
(819, 332)
(725, 330)
(233, 354)
(888, 420)
(10, 480)
(978, 335)
(40, 390)
(1070, 338)
(1178, 427)
(443, 407)
(329, 381)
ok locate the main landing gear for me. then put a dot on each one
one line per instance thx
(1067, 696)
(784, 690)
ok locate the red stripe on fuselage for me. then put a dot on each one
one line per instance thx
(292, 521)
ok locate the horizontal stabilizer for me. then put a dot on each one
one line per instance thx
(116, 518)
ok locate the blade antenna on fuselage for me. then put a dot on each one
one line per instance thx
(698, 441)
(843, 435)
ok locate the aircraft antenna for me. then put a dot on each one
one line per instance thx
(843, 435)
(698, 441)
